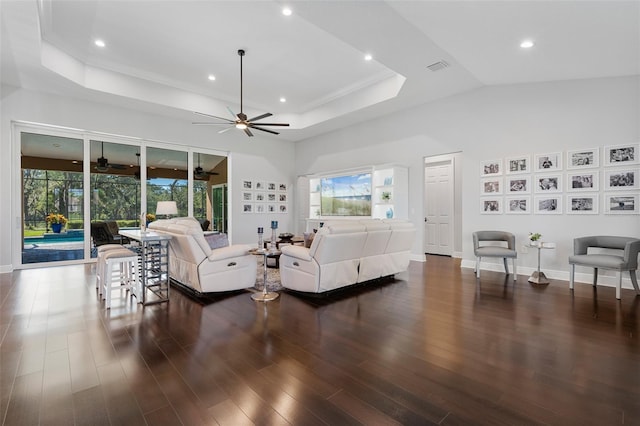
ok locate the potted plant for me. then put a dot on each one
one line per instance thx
(534, 237)
(57, 221)
(150, 218)
(386, 196)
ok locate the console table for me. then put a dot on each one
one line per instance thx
(154, 264)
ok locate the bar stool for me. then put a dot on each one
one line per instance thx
(119, 271)
(100, 261)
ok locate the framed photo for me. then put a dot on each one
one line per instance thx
(282, 208)
(282, 187)
(491, 205)
(261, 197)
(491, 186)
(582, 181)
(519, 164)
(271, 208)
(548, 162)
(247, 184)
(582, 204)
(621, 204)
(621, 155)
(282, 198)
(247, 196)
(519, 185)
(271, 197)
(260, 208)
(271, 186)
(260, 185)
(625, 180)
(247, 208)
(548, 183)
(547, 204)
(491, 168)
(583, 158)
(517, 205)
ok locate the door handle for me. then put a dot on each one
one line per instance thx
(426, 220)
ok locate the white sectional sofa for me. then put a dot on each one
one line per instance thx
(195, 265)
(346, 253)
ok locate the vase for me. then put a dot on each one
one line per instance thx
(390, 213)
(56, 228)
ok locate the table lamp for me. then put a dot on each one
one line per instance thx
(166, 208)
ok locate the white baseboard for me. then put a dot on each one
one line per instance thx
(418, 258)
(5, 269)
(605, 278)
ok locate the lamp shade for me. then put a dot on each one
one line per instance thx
(166, 208)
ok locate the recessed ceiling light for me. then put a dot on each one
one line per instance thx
(286, 11)
(99, 43)
(527, 44)
(368, 57)
(212, 77)
(283, 99)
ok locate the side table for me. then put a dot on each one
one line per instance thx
(538, 277)
(264, 296)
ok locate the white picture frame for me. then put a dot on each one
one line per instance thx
(283, 208)
(491, 168)
(260, 185)
(586, 158)
(518, 185)
(247, 196)
(282, 187)
(491, 186)
(618, 203)
(586, 180)
(517, 205)
(621, 179)
(271, 186)
(582, 204)
(247, 208)
(517, 165)
(547, 204)
(282, 198)
(548, 183)
(548, 162)
(622, 155)
(247, 184)
(259, 208)
(491, 205)
(271, 197)
(271, 208)
(260, 197)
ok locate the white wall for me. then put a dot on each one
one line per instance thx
(253, 158)
(489, 123)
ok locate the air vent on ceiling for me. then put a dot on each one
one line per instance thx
(437, 66)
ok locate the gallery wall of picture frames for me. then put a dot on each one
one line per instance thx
(264, 197)
(571, 182)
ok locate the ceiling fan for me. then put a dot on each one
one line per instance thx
(199, 172)
(103, 165)
(240, 120)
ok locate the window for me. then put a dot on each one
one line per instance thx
(346, 195)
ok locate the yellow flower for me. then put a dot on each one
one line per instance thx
(151, 217)
(56, 218)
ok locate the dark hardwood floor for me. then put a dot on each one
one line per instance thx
(433, 347)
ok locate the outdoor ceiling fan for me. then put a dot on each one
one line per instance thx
(199, 172)
(240, 120)
(103, 165)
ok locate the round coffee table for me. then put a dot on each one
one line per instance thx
(264, 296)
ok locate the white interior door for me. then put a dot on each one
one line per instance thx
(439, 192)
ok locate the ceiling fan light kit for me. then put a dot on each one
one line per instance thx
(240, 120)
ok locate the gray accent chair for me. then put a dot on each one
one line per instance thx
(506, 249)
(625, 258)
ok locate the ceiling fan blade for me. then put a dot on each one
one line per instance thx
(273, 124)
(260, 117)
(225, 130)
(118, 166)
(214, 116)
(248, 132)
(205, 123)
(265, 130)
(233, 114)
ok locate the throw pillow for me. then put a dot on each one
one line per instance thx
(308, 238)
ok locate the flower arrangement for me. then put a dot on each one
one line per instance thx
(534, 236)
(386, 196)
(56, 218)
(150, 217)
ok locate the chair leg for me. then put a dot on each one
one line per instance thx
(595, 276)
(572, 273)
(619, 285)
(478, 267)
(506, 266)
(515, 273)
(634, 281)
